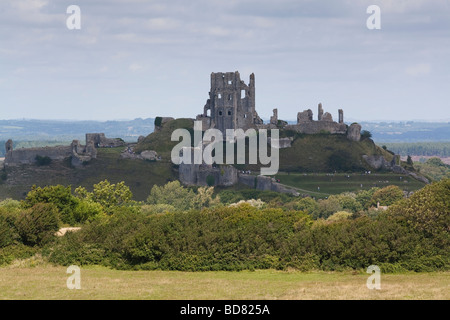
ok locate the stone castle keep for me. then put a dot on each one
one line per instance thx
(231, 103)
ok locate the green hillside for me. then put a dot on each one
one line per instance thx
(317, 153)
(139, 175)
(328, 153)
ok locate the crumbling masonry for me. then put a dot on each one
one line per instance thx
(231, 103)
(79, 154)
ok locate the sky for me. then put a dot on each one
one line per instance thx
(146, 58)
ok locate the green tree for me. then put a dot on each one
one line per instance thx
(364, 197)
(348, 202)
(387, 196)
(428, 209)
(307, 204)
(327, 207)
(38, 224)
(172, 193)
(108, 195)
(409, 161)
(58, 195)
(338, 216)
(365, 134)
(204, 198)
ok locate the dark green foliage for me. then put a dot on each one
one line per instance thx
(409, 161)
(158, 121)
(6, 232)
(43, 160)
(210, 181)
(244, 237)
(437, 149)
(365, 134)
(59, 195)
(16, 251)
(38, 224)
(386, 196)
(411, 236)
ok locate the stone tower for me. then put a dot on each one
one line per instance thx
(231, 103)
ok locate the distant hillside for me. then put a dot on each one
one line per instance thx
(408, 131)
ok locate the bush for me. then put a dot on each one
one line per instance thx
(365, 134)
(411, 235)
(107, 195)
(59, 195)
(43, 160)
(17, 251)
(340, 215)
(38, 224)
(158, 121)
(6, 232)
(386, 196)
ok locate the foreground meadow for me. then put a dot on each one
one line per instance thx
(48, 282)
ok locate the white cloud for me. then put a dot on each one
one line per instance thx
(418, 69)
(135, 67)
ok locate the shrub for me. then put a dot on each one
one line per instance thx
(340, 215)
(43, 160)
(386, 196)
(158, 121)
(59, 195)
(327, 207)
(365, 134)
(106, 194)
(174, 194)
(6, 233)
(38, 224)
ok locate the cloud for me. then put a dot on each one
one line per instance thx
(418, 69)
(135, 67)
(301, 51)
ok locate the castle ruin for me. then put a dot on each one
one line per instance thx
(78, 153)
(231, 103)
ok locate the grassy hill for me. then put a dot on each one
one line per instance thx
(328, 153)
(139, 175)
(318, 153)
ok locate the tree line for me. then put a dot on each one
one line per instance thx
(200, 229)
(439, 149)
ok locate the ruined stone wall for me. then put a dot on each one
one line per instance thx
(354, 132)
(101, 141)
(28, 155)
(197, 175)
(79, 154)
(265, 183)
(324, 123)
(313, 127)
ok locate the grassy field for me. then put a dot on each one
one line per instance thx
(342, 182)
(22, 281)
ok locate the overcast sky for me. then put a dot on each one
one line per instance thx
(142, 58)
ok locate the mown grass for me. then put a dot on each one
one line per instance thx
(23, 281)
(322, 184)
